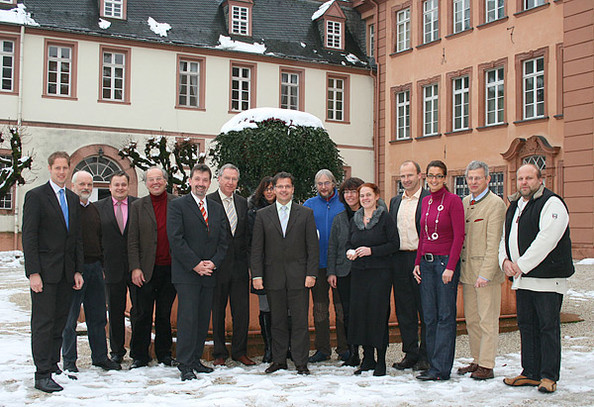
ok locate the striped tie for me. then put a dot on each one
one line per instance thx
(231, 214)
(203, 211)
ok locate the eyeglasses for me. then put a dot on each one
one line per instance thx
(269, 189)
(350, 192)
(156, 179)
(324, 184)
(472, 179)
(437, 176)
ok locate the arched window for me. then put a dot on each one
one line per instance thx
(101, 168)
(539, 160)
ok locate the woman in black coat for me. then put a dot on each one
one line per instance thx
(371, 243)
(263, 197)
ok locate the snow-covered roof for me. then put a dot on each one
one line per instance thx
(17, 15)
(321, 10)
(250, 118)
(228, 44)
(158, 28)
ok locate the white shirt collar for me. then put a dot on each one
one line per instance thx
(56, 187)
(198, 201)
(288, 205)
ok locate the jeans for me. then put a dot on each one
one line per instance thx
(540, 333)
(439, 309)
(92, 296)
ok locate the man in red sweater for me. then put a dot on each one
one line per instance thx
(150, 265)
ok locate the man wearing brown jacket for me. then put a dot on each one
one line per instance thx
(481, 276)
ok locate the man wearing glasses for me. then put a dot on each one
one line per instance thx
(326, 206)
(405, 209)
(480, 274)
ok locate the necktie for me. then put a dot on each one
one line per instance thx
(120, 216)
(231, 214)
(203, 211)
(284, 218)
(64, 206)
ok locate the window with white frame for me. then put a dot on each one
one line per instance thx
(430, 21)
(241, 88)
(240, 20)
(59, 70)
(6, 199)
(403, 115)
(371, 40)
(528, 4)
(113, 8)
(7, 50)
(494, 96)
(460, 105)
(113, 77)
(460, 186)
(189, 83)
(461, 15)
(496, 184)
(539, 160)
(336, 97)
(534, 91)
(403, 30)
(290, 90)
(333, 34)
(494, 10)
(430, 109)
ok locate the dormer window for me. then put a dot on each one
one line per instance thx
(113, 9)
(331, 20)
(333, 34)
(239, 14)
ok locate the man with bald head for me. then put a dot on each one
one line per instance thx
(92, 294)
(536, 251)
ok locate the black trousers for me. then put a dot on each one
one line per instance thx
(343, 286)
(539, 322)
(49, 311)
(156, 294)
(237, 293)
(407, 299)
(296, 303)
(193, 316)
(116, 304)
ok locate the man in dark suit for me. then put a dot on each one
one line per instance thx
(150, 264)
(232, 276)
(199, 235)
(52, 244)
(406, 212)
(284, 260)
(114, 212)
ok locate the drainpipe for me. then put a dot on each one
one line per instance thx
(15, 200)
(376, 102)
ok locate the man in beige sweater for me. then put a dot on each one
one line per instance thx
(481, 276)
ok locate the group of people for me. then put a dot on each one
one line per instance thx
(211, 250)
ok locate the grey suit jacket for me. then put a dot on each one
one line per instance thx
(284, 262)
(142, 235)
(235, 265)
(114, 242)
(191, 241)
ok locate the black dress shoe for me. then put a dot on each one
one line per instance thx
(366, 365)
(302, 369)
(169, 361)
(427, 376)
(48, 385)
(117, 358)
(276, 366)
(186, 373)
(136, 363)
(405, 363)
(108, 364)
(421, 365)
(71, 367)
(200, 368)
(55, 370)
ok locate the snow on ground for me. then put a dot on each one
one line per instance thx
(328, 385)
(17, 15)
(586, 261)
(249, 118)
(158, 28)
(228, 44)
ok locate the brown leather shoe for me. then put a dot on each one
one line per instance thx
(547, 386)
(482, 373)
(471, 368)
(219, 362)
(521, 381)
(245, 360)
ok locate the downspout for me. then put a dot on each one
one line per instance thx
(376, 102)
(15, 243)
